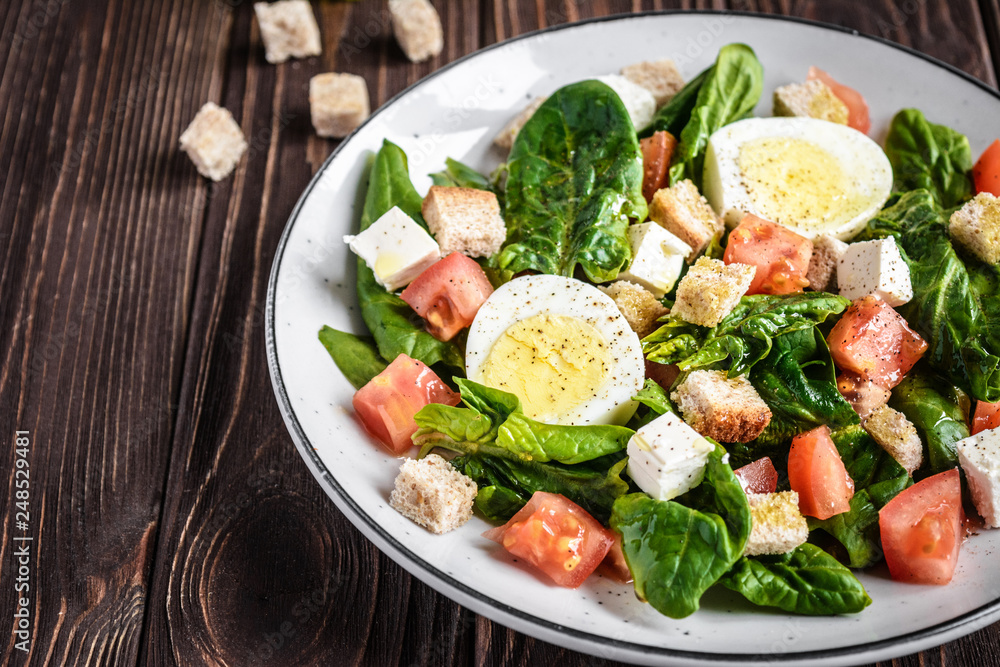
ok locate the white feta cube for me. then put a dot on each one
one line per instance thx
(638, 101)
(979, 456)
(874, 267)
(395, 248)
(657, 258)
(667, 458)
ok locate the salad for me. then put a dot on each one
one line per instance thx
(773, 429)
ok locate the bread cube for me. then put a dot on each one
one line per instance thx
(976, 226)
(464, 220)
(979, 456)
(638, 305)
(338, 103)
(214, 142)
(657, 258)
(659, 77)
(874, 267)
(430, 492)
(682, 211)
(720, 407)
(812, 99)
(395, 248)
(897, 436)
(505, 139)
(776, 524)
(288, 29)
(639, 102)
(822, 273)
(417, 27)
(710, 291)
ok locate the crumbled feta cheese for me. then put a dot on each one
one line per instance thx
(875, 267)
(395, 248)
(979, 456)
(667, 458)
(638, 101)
(657, 258)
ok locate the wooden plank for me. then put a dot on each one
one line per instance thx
(93, 225)
(991, 21)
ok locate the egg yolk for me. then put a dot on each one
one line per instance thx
(796, 183)
(552, 363)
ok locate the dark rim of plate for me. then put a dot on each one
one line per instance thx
(409, 558)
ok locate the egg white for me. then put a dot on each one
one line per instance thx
(858, 156)
(527, 296)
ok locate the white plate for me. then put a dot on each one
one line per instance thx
(456, 112)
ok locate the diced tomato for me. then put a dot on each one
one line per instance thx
(448, 294)
(386, 404)
(657, 151)
(922, 530)
(662, 374)
(864, 395)
(557, 536)
(818, 475)
(987, 416)
(857, 108)
(780, 255)
(758, 477)
(875, 342)
(614, 566)
(986, 173)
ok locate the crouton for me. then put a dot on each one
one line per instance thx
(659, 77)
(896, 435)
(683, 212)
(723, 408)
(976, 226)
(813, 99)
(417, 27)
(822, 274)
(638, 305)
(464, 220)
(288, 29)
(432, 493)
(776, 524)
(508, 134)
(214, 142)
(710, 291)
(338, 103)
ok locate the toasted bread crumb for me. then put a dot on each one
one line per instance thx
(417, 27)
(464, 220)
(976, 226)
(812, 99)
(505, 139)
(637, 304)
(432, 493)
(683, 212)
(822, 274)
(777, 525)
(338, 103)
(726, 409)
(897, 436)
(288, 29)
(710, 291)
(214, 142)
(659, 77)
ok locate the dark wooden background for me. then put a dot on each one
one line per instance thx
(173, 520)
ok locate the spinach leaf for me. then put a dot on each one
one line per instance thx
(391, 321)
(676, 113)
(745, 336)
(805, 581)
(677, 550)
(857, 530)
(954, 306)
(653, 402)
(557, 442)
(936, 409)
(574, 178)
(355, 356)
(929, 156)
(730, 91)
(459, 175)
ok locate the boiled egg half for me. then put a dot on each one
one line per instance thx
(561, 346)
(812, 176)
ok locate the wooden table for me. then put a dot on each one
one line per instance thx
(172, 519)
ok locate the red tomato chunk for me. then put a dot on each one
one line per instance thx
(864, 395)
(922, 530)
(614, 566)
(986, 173)
(857, 107)
(758, 477)
(386, 404)
(557, 536)
(875, 342)
(817, 473)
(448, 294)
(780, 255)
(657, 151)
(987, 416)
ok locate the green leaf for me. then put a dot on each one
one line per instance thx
(857, 530)
(392, 322)
(929, 156)
(676, 113)
(730, 91)
(938, 411)
(557, 442)
(676, 550)
(574, 181)
(653, 402)
(458, 175)
(805, 581)
(355, 356)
